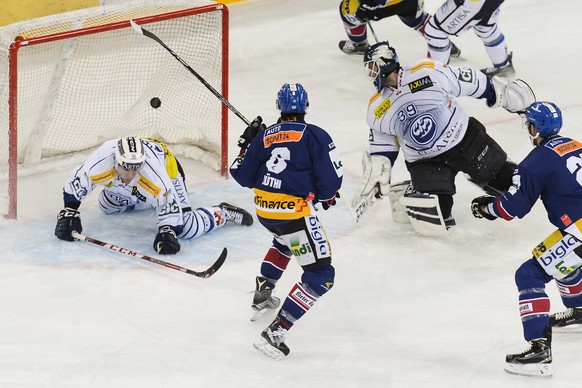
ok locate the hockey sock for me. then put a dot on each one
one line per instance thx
(571, 290)
(534, 309)
(274, 263)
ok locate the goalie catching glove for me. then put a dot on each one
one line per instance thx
(513, 97)
(68, 220)
(377, 170)
(166, 241)
(479, 207)
(250, 132)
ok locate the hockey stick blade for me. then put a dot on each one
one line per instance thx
(142, 31)
(204, 274)
(362, 207)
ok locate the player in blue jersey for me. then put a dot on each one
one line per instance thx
(291, 166)
(552, 172)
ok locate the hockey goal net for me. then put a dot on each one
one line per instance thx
(70, 81)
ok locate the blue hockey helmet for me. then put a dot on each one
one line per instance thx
(545, 116)
(380, 60)
(292, 98)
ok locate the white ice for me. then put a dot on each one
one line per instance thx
(406, 311)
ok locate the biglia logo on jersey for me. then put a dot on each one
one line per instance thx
(423, 129)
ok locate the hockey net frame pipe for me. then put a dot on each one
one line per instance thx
(71, 81)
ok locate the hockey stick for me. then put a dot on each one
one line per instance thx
(372, 30)
(151, 35)
(204, 274)
(362, 206)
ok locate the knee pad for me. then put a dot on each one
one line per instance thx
(530, 275)
(320, 280)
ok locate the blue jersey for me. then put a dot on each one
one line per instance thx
(553, 172)
(290, 165)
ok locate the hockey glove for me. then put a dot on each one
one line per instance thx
(68, 220)
(479, 207)
(330, 202)
(366, 10)
(166, 241)
(250, 132)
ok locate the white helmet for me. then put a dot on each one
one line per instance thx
(129, 153)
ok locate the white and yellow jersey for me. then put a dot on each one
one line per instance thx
(152, 186)
(421, 112)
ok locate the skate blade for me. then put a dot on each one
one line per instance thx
(541, 370)
(266, 348)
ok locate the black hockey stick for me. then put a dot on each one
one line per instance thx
(151, 35)
(204, 274)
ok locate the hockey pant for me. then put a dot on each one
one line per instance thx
(534, 303)
(455, 18)
(410, 12)
(477, 155)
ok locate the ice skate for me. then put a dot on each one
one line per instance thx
(535, 361)
(351, 48)
(263, 302)
(455, 51)
(236, 214)
(272, 341)
(568, 321)
(505, 71)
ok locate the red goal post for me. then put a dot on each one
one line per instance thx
(68, 82)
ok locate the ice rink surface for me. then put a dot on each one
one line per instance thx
(406, 311)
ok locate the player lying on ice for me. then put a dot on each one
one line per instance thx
(136, 174)
(551, 172)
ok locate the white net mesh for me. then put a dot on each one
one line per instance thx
(74, 93)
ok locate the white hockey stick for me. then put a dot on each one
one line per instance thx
(362, 206)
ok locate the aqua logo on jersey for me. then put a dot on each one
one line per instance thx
(420, 84)
(423, 130)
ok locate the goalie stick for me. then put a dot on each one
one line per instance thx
(362, 206)
(153, 36)
(204, 274)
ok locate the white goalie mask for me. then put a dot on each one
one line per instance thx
(129, 153)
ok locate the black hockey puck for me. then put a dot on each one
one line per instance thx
(155, 102)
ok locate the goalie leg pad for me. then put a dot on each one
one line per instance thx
(397, 191)
(425, 215)
(376, 173)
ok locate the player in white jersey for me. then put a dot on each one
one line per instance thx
(414, 110)
(455, 17)
(136, 174)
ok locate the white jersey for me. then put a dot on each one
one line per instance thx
(152, 185)
(421, 115)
